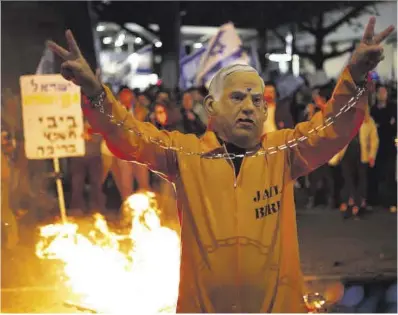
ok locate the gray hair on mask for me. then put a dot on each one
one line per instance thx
(217, 83)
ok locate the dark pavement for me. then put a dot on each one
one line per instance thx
(331, 248)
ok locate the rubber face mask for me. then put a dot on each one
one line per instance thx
(239, 114)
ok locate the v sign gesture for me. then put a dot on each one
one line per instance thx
(369, 51)
(75, 68)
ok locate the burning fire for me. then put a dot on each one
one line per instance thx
(143, 278)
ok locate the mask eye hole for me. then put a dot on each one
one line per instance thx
(237, 97)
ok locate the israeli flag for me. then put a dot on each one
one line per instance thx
(189, 66)
(224, 49)
(46, 64)
(145, 56)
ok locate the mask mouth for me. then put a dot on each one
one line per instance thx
(245, 121)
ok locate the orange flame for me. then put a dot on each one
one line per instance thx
(143, 280)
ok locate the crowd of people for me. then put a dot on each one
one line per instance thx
(361, 176)
(167, 111)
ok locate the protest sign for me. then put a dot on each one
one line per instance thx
(52, 117)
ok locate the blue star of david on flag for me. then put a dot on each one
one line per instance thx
(218, 47)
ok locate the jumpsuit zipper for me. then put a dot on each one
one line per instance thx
(232, 164)
(236, 306)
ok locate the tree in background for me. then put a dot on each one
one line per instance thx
(320, 27)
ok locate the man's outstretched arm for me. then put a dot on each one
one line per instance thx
(315, 145)
(320, 145)
(128, 138)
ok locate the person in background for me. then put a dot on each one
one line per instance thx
(162, 96)
(141, 107)
(88, 165)
(9, 224)
(30, 188)
(107, 156)
(385, 117)
(19, 188)
(152, 91)
(270, 98)
(163, 119)
(174, 119)
(140, 172)
(280, 109)
(283, 114)
(300, 100)
(198, 94)
(190, 120)
(144, 100)
(322, 176)
(356, 158)
(374, 81)
(109, 165)
(160, 116)
(279, 115)
(109, 162)
(124, 173)
(167, 198)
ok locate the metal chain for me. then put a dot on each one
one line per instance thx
(268, 151)
(237, 240)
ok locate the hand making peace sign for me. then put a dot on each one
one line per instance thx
(75, 68)
(369, 51)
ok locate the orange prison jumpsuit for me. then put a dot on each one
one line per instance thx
(240, 250)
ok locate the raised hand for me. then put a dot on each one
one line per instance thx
(75, 68)
(369, 51)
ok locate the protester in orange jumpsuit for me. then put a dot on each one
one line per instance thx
(239, 238)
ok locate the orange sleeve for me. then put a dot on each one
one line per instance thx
(316, 148)
(137, 146)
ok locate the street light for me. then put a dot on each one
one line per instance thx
(279, 57)
(107, 40)
(100, 28)
(120, 40)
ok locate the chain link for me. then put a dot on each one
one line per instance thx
(237, 240)
(268, 151)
